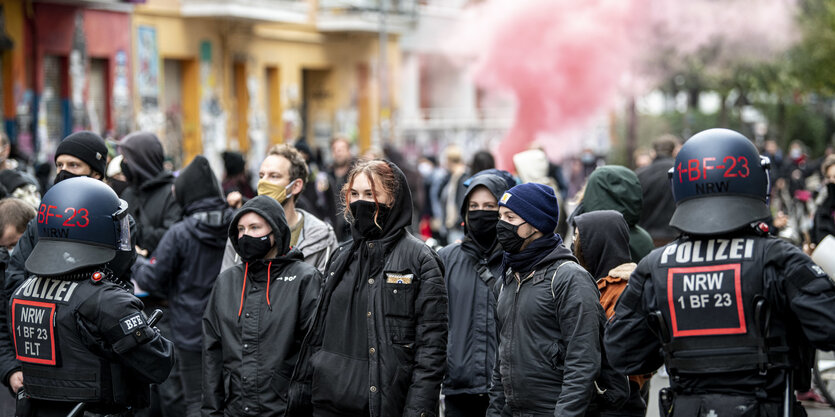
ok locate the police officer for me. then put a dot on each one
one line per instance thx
(732, 312)
(78, 331)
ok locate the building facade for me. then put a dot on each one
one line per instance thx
(204, 75)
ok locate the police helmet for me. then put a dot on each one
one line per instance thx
(81, 223)
(720, 183)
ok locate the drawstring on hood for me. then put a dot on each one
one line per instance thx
(243, 288)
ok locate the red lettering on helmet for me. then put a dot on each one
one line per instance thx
(705, 164)
(693, 167)
(41, 213)
(728, 173)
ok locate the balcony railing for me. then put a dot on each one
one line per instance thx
(284, 11)
(395, 16)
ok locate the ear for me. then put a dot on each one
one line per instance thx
(95, 175)
(297, 186)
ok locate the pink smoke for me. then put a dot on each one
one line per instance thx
(565, 61)
(562, 59)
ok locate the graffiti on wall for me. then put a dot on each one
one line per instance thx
(212, 116)
(257, 120)
(78, 74)
(121, 96)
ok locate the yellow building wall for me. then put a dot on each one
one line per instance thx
(281, 53)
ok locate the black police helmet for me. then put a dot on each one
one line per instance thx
(720, 183)
(81, 223)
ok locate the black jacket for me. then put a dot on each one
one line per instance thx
(403, 360)
(103, 351)
(549, 340)
(659, 204)
(15, 275)
(185, 265)
(798, 293)
(257, 315)
(473, 336)
(824, 221)
(153, 206)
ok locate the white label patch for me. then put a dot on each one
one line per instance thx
(506, 196)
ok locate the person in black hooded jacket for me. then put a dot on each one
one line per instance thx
(473, 266)
(185, 265)
(549, 314)
(377, 347)
(149, 195)
(257, 315)
(601, 245)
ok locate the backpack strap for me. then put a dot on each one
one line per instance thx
(554, 275)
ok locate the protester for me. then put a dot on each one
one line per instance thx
(149, 195)
(378, 345)
(283, 176)
(658, 203)
(251, 341)
(21, 186)
(473, 267)
(601, 245)
(15, 215)
(343, 161)
(185, 265)
(613, 187)
(115, 178)
(549, 314)
(151, 202)
(452, 193)
(237, 184)
(824, 220)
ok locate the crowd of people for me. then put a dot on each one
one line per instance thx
(378, 287)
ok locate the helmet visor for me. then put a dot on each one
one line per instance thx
(122, 221)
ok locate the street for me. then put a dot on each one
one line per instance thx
(659, 382)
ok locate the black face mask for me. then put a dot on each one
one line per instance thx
(509, 237)
(481, 225)
(64, 175)
(363, 212)
(830, 190)
(254, 248)
(127, 172)
(118, 185)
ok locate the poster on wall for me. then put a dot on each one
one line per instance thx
(149, 117)
(147, 76)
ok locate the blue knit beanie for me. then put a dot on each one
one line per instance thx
(535, 203)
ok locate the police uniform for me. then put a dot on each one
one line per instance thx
(733, 313)
(79, 333)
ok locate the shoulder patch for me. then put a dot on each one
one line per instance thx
(816, 270)
(131, 322)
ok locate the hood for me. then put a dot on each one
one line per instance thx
(270, 210)
(613, 187)
(604, 241)
(195, 182)
(401, 210)
(532, 166)
(496, 184)
(210, 232)
(143, 154)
